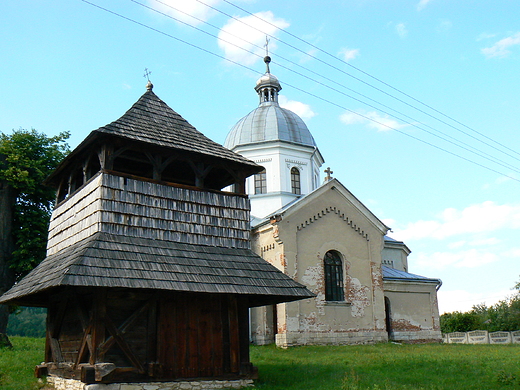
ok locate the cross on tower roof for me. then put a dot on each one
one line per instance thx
(147, 74)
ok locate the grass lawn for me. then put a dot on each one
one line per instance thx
(356, 367)
(17, 364)
(388, 366)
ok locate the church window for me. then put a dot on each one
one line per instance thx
(333, 277)
(295, 181)
(261, 183)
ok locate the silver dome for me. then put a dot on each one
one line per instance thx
(269, 122)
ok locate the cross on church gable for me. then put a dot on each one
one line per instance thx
(329, 172)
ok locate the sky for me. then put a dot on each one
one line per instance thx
(414, 104)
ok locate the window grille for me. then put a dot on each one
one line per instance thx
(295, 181)
(333, 277)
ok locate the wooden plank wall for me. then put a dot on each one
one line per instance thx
(198, 337)
(76, 218)
(135, 208)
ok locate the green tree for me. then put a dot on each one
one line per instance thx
(27, 157)
(459, 322)
(502, 316)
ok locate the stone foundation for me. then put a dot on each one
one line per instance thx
(72, 384)
(285, 340)
(430, 336)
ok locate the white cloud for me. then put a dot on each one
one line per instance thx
(472, 258)
(462, 300)
(501, 49)
(457, 244)
(248, 35)
(512, 253)
(505, 179)
(372, 120)
(182, 9)
(444, 26)
(484, 36)
(422, 4)
(401, 30)
(485, 242)
(484, 217)
(348, 54)
(389, 222)
(303, 110)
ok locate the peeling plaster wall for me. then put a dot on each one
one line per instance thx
(414, 314)
(298, 251)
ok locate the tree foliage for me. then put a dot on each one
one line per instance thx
(28, 157)
(502, 316)
(27, 322)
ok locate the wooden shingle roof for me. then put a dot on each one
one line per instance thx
(108, 260)
(152, 121)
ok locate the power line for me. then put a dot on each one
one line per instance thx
(299, 89)
(454, 141)
(372, 77)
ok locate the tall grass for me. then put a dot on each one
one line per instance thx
(17, 364)
(388, 367)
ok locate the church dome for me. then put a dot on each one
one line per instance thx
(269, 121)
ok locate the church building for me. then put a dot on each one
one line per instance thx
(322, 236)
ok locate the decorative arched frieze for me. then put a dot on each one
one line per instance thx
(262, 160)
(267, 248)
(340, 214)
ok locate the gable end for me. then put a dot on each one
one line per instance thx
(340, 214)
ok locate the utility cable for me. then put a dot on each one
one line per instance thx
(369, 75)
(360, 80)
(454, 141)
(299, 89)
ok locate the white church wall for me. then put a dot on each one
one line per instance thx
(278, 158)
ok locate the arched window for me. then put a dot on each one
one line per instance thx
(295, 181)
(260, 183)
(333, 277)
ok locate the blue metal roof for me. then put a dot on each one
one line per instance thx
(395, 274)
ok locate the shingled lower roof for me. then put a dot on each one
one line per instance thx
(107, 260)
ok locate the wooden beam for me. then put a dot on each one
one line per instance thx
(151, 336)
(107, 344)
(54, 323)
(98, 325)
(123, 345)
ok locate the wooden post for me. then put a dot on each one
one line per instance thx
(98, 325)
(243, 330)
